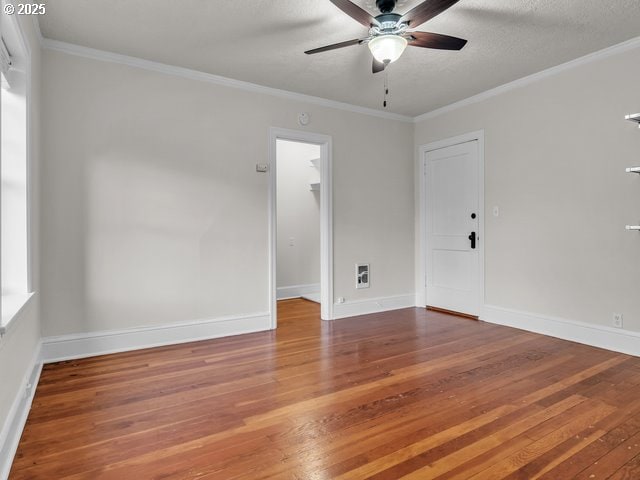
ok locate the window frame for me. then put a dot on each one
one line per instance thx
(13, 305)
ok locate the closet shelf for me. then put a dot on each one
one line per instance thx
(634, 117)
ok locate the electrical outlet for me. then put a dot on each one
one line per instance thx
(617, 320)
(292, 241)
(340, 300)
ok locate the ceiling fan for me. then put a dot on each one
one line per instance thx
(389, 32)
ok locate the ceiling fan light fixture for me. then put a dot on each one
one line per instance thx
(387, 48)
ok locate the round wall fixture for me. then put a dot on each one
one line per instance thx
(303, 118)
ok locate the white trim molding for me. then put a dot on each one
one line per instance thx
(105, 56)
(326, 217)
(12, 307)
(521, 82)
(18, 413)
(16, 31)
(296, 291)
(367, 306)
(421, 271)
(37, 30)
(82, 345)
(101, 55)
(617, 340)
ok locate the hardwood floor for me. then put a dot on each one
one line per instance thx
(411, 394)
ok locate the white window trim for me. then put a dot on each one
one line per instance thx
(13, 305)
(5, 59)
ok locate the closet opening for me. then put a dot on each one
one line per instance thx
(298, 221)
(300, 211)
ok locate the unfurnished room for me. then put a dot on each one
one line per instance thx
(320, 239)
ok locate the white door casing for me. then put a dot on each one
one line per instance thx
(451, 195)
(326, 218)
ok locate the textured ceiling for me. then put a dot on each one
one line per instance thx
(262, 41)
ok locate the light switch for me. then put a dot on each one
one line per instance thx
(292, 241)
(496, 211)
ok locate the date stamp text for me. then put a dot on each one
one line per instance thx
(24, 8)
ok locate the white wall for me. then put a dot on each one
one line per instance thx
(556, 152)
(153, 211)
(298, 215)
(20, 344)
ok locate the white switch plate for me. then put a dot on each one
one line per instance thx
(292, 241)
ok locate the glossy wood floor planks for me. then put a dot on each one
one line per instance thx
(404, 394)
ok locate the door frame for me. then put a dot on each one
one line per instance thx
(421, 278)
(326, 218)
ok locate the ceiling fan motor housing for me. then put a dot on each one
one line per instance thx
(386, 6)
(388, 24)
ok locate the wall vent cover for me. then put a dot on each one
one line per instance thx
(362, 275)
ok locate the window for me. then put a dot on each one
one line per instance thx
(14, 242)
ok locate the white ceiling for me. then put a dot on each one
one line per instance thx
(262, 41)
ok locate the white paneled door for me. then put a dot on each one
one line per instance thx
(452, 226)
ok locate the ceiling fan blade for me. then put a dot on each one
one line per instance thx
(348, 43)
(377, 66)
(436, 40)
(355, 12)
(425, 11)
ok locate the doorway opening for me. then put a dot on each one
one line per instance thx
(300, 220)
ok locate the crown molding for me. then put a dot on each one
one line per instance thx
(105, 56)
(521, 82)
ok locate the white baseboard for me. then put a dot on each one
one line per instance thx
(618, 340)
(17, 417)
(372, 305)
(68, 347)
(296, 291)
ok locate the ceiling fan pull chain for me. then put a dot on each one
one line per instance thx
(386, 88)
